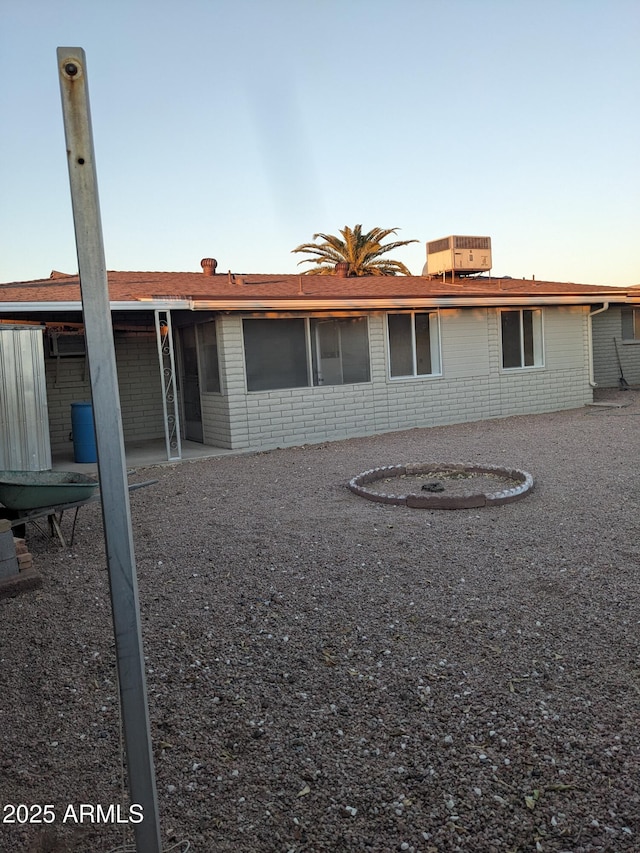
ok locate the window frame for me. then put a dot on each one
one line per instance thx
(310, 352)
(315, 325)
(273, 321)
(630, 318)
(537, 332)
(435, 347)
(205, 372)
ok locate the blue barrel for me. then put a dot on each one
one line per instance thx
(84, 434)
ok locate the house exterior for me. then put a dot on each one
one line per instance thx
(262, 361)
(616, 343)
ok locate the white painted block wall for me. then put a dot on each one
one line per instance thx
(606, 327)
(472, 385)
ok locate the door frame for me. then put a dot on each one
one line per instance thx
(187, 423)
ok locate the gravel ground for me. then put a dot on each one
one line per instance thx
(330, 674)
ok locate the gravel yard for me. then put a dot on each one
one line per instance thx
(326, 673)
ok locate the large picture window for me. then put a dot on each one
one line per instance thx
(414, 344)
(296, 353)
(275, 354)
(521, 338)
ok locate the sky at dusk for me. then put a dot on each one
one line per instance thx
(236, 129)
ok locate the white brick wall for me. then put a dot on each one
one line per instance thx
(472, 385)
(565, 337)
(232, 403)
(606, 327)
(465, 343)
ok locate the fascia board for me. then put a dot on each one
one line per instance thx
(147, 304)
(39, 307)
(371, 304)
(49, 307)
(405, 303)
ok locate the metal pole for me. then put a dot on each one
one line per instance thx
(164, 338)
(114, 490)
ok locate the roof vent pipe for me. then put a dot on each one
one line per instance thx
(209, 266)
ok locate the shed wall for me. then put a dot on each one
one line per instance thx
(24, 423)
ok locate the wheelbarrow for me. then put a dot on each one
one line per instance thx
(27, 490)
(33, 495)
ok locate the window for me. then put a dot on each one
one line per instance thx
(209, 357)
(340, 351)
(521, 338)
(631, 324)
(414, 344)
(277, 352)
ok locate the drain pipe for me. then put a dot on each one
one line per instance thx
(605, 307)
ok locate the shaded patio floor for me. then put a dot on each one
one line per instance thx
(142, 454)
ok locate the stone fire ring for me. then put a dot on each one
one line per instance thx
(523, 483)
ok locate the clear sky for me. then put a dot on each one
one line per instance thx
(236, 129)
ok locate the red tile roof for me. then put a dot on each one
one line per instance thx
(237, 291)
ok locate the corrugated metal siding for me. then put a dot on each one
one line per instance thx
(24, 421)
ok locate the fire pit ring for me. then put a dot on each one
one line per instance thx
(511, 485)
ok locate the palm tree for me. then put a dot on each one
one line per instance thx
(359, 253)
